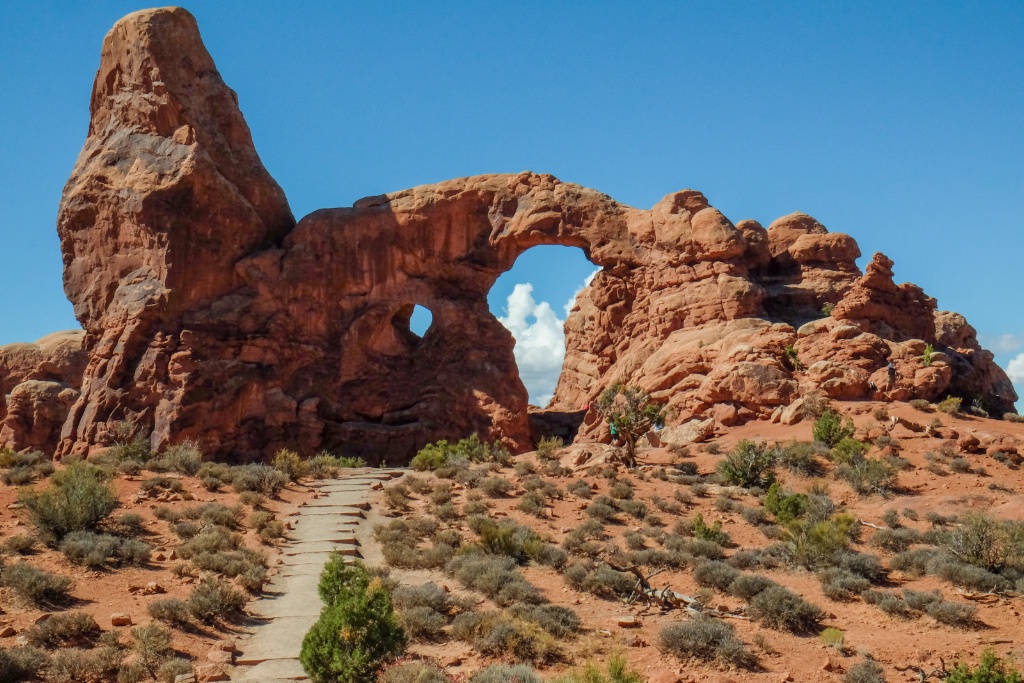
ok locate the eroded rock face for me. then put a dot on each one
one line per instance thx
(210, 314)
(38, 384)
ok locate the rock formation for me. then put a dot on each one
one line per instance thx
(38, 384)
(210, 314)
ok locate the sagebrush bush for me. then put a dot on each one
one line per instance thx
(802, 457)
(35, 585)
(706, 639)
(841, 584)
(503, 673)
(715, 574)
(503, 634)
(782, 609)
(64, 628)
(957, 614)
(868, 671)
(494, 576)
(215, 599)
(24, 663)
(79, 498)
(98, 550)
(495, 487)
(870, 476)
(437, 455)
(748, 586)
(170, 611)
(412, 672)
(749, 464)
(185, 457)
(258, 478)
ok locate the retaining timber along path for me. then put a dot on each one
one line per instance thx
(333, 521)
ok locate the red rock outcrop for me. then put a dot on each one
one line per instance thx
(210, 314)
(38, 384)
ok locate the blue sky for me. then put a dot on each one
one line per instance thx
(899, 123)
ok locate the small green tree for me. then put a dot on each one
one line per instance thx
(630, 414)
(830, 428)
(749, 464)
(357, 632)
(926, 358)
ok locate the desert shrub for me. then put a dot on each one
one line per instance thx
(841, 584)
(170, 611)
(503, 673)
(713, 533)
(290, 464)
(756, 516)
(633, 508)
(557, 620)
(214, 598)
(98, 550)
(18, 476)
(35, 585)
(151, 645)
(990, 669)
(870, 476)
(921, 404)
(73, 664)
(715, 574)
(257, 478)
(605, 582)
(78, 499)
(397, 496)
(22, 663)
(706, 639)
(437, 455)
(749, 464)
(185, 457)
(580, 488)
(548, 447)
(782, 609)
(403, 671)
(63, 629)
(820, 544)
(617, 671)
(895, 606)
(830, 428)
(832, 637)
(500, 634)
(18, 545)
(868, 671)
(495, 577)
(862, 564)
(958, 614)
(849, 450)
(785, 506)
(986, 542)
(968, 576)
(702, 547)
(748, 586)
(896, 540)
(802, 457)
(723, 503)
(170, 669)
(533, 503)
(601, 509)
(422, 622)
(495, 486)
(949, 405)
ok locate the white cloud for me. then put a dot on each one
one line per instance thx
(540, 342)
(1015, 371)
(540, 339)
(1002, 343)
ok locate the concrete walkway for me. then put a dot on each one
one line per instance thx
(333, 521)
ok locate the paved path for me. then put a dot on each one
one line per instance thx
(333, 521)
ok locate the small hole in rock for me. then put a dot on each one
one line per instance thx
(420, 320)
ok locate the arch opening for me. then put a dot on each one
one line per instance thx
(421, 320)
(532, 300)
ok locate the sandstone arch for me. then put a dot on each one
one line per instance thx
(209, 313)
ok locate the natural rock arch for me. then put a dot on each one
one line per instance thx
(209, 313)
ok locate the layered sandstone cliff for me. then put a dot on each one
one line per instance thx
(210, 314)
